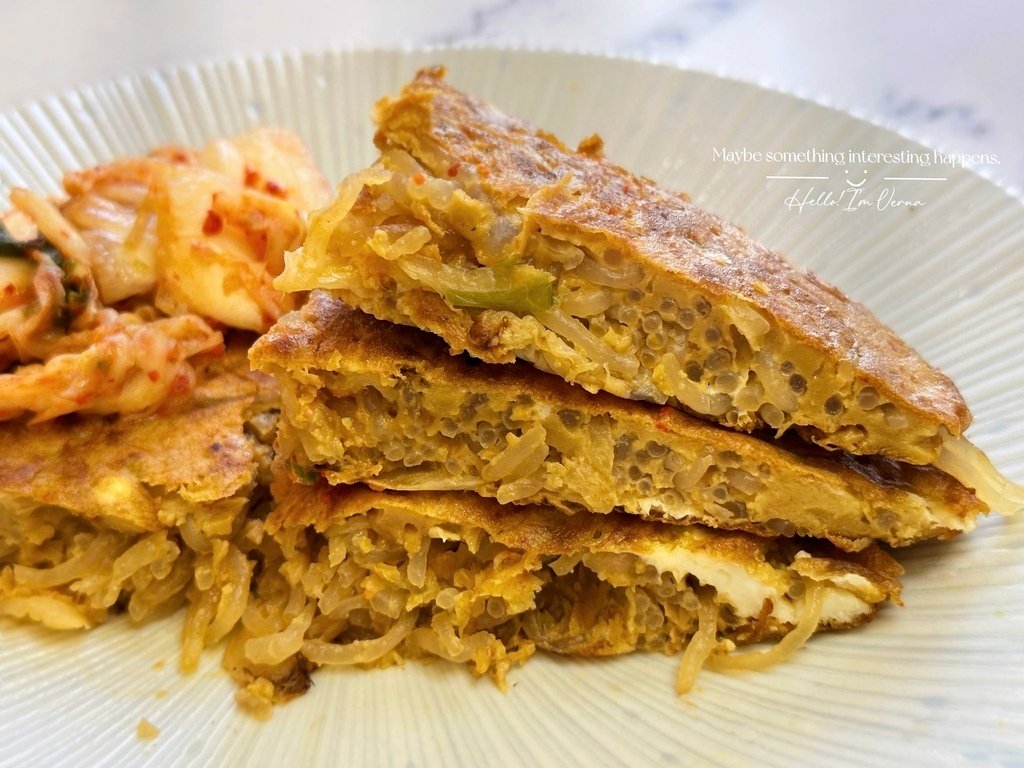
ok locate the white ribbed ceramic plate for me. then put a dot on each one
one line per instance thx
(939, 682)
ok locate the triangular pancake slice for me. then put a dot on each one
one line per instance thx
(494, 235)
(370, 578)
(370, 401)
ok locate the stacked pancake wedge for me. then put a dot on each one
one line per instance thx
(587, 416)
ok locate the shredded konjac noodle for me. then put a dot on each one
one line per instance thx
(81, 573)
(700, 647)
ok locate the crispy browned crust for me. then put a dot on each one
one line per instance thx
(120, 468)
(541, 529)
(664, 231)
(328, 335)
(872, 563)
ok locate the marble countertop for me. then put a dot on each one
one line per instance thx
(946, 72)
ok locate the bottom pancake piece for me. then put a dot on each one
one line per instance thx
(352, 576)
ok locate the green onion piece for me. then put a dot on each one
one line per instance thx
(301, 473)
(517, 288)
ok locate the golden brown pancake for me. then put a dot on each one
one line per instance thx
(98, 510)
(382, 576)
(493, 234)
(369, 401)
(121, 470)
